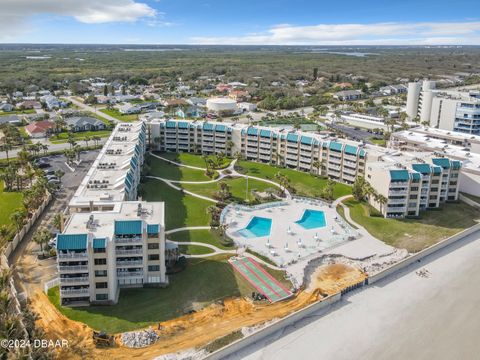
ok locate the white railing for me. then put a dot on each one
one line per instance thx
(119, 240)
(72, 255)
(73, 268)
(236, 207)
(74, 280)
(129, 262)
(74, 292)
(130, 274)
(129, 252)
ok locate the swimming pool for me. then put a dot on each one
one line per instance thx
(312, 219)
(257, 227)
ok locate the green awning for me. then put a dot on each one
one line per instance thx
(128, 227)
(335, 146)
(72, 241)
(351, 150)
(399, 175)
(100, 243)
(153, 228)
(422, 168)
(443, 162)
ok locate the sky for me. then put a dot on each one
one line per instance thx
(246, 22)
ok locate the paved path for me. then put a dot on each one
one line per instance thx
(86, 107)
(187, 228)
(360, 229)
(169, 183)
(176, 163)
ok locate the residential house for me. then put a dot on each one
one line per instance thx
(30, 104)
(84, 123)
(40, 129)
(347, 95)
(6, 107)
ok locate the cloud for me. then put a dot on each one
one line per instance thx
(392, 33)
(14, 14)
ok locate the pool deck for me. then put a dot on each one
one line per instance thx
(289, 241)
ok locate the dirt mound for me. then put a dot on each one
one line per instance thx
(330, 279)
(196, 329)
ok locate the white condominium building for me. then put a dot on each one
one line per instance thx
(102, 251)
(450, 144)
(444, 109)
(115, 174)
(339, 159)
(411, 183)
(110, 239)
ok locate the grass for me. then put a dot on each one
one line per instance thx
(379, 142)
(183, 210)
(203, 282)
(304, 184)
(189, 159)
(10, 201)
(79, 136)
(211, 237)
(341, 212)
(117, 115)
(169, 171)
(416, 234)
(195, 250)
(18, 112)
(237, 187)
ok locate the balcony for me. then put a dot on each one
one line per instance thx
(401, 209)
(397, 192)
(129, 274)
(130, 263)
(72, 268)
(129, 252)
(74, 280)
(74, 292)
(72, 255)
(136, 239)
(397, 201)
(398, 184)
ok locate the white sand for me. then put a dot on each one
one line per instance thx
(410, 317)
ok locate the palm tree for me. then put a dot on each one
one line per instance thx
(57, 222)
(18, 218)
(87, 139)
(3, 233)
(382, 200)
(71, 140)
(42, 237)
(316, 164)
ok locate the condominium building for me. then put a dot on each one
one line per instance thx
(409, 183)
(444, 109)
(115, 174)
(102, 251)
(454, 145)
(339, 159)
(111, 240)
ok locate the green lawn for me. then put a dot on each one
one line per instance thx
(305, 184)
(9, 201)
(79, 136)
(238, 188)
(122, 117)
(203, 282)
(416, 234)
(189, 159)
(211, 237)
(195, 250)
(169, 171)
(379, 142)
(183, 210)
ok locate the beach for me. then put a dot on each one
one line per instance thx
(428, 311)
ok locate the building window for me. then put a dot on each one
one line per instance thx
(98, 251)
(101, 285)
(154, 268)
(154, 257)
(101, 297)
(152, 246)
(100, 261)
(100, 273)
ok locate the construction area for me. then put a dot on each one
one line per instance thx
(192, 332)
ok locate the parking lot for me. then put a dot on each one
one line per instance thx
(31, 272)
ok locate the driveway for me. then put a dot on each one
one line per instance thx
(31, 273)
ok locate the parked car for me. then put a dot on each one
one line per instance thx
(49, 172)
(54, 181)
(43, 165)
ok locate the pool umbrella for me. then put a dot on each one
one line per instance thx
(286, 246)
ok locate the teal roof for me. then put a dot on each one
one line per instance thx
(220, 128)
(456, 164)
(99, 243)
(170, 124)
(306, 140)
(399, 175)
(292, 137)
(437, 170)
(335, 146)
(128, 227)
(252, 131)
(183, 125)
(352, 150)
(207, 127)
(416, 176)
(361, 153)
(422, 168)
(324, 145)
(265, 133)
(153, 228)
(443, 162)
(72, 241)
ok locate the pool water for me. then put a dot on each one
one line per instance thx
(257, 227)
(312, 219)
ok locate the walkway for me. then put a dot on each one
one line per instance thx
(169, 183)
(346, 210)
(176, 163)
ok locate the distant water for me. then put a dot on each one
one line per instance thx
(346, 53)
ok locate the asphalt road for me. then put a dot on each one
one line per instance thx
(352, 133)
